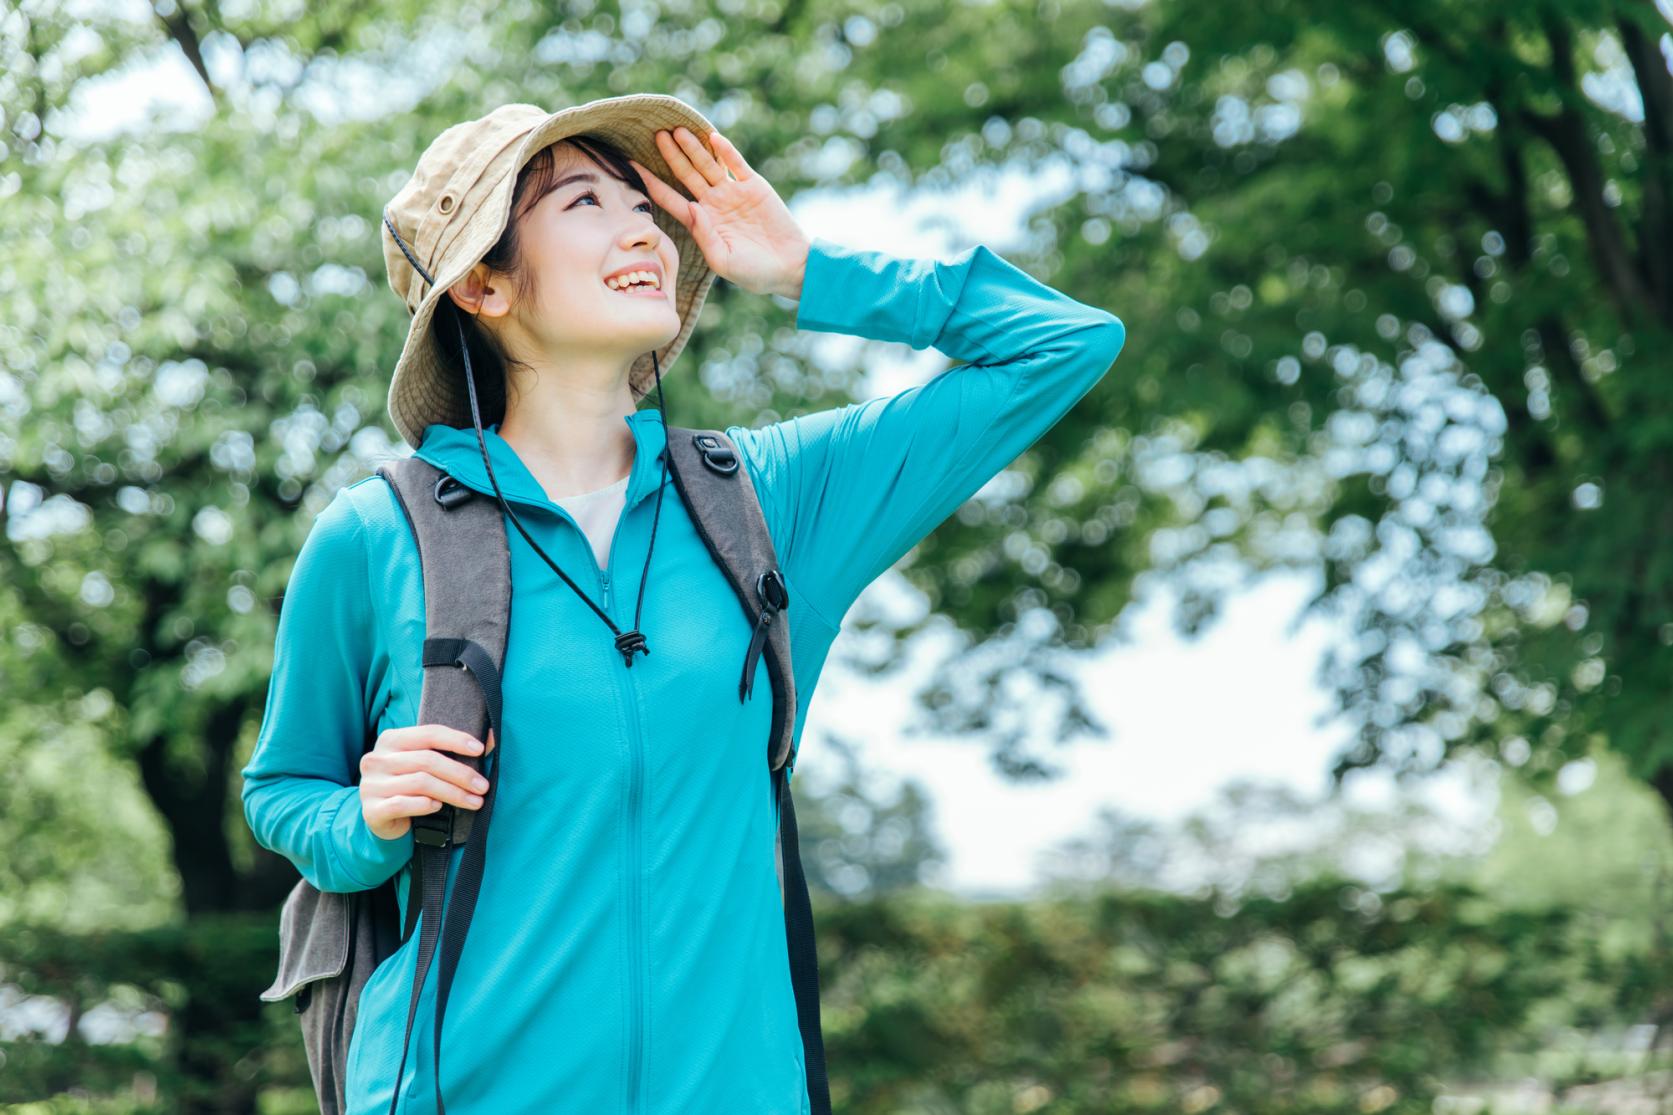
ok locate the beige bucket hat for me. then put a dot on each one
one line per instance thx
(456, 205)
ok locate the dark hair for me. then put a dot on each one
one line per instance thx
(490, 364)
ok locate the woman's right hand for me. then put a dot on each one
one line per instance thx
(405, 775)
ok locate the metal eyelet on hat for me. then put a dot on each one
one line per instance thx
(446, 203)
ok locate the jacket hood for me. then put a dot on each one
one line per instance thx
(454, 449)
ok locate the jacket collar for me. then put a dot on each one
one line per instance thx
(454, 450)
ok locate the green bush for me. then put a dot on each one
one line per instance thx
(1331, 998)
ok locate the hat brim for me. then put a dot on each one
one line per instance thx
(424, 388)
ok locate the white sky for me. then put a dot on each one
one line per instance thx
(1187, 717)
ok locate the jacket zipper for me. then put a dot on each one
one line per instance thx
(636, 764)
(635, 780)
(635, 914)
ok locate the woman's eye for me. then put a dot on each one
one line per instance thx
(594, 196)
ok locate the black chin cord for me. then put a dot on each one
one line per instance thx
(628, 643)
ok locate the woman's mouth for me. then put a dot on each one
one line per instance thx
(636, 284)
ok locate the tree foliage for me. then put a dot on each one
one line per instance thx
(1396, 277)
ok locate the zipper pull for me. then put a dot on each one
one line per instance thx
(606, 581)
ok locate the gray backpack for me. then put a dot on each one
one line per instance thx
(330, 943)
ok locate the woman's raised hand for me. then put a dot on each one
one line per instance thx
(745, 231)
(405, 774)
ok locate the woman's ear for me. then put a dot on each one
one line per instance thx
(481, 293)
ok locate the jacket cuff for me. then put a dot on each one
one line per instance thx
(369, 858)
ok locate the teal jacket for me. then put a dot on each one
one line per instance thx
(628, 949)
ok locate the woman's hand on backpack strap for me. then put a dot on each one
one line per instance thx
(407, 774)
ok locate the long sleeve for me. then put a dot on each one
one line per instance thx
(853, 488)
(300, 799)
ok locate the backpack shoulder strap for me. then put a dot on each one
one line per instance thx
(467, 614)
(467, 599)
(718, 493)
(709, 474)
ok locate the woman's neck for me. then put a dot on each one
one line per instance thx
(572, 449)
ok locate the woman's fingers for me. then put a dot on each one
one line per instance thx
(690, 160)
(701, 156)
(441, 789)
(664, 195)
(732, 157)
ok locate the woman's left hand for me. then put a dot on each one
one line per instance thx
(745, 231)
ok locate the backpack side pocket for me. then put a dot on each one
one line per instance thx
(316, 944)
(313, 942)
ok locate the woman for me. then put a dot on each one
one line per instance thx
(627, 951)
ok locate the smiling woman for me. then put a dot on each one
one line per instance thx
(564, 169)
(636, 937)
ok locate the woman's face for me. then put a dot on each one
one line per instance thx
(590, 227)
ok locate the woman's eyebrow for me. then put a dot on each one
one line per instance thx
(587, 176)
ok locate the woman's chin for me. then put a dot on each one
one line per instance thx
(648, 309)
(659, 329)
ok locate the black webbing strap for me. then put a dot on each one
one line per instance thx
(804, 956)
(432, 863)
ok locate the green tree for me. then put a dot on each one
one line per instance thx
(856, 843)
(1397, 284)
(1597, 842)
(1398, 278)
(1267, 839)
(1393, 274)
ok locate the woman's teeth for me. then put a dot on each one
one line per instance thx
(633, 280)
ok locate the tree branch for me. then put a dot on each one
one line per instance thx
(180, 29)
(1519, 239)
(1566, 133)
(1655, 86)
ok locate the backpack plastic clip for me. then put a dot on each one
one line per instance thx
(769, 586)
(450, 493)
(718, 457)
(432, 833)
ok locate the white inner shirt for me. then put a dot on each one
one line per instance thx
(596, 512)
